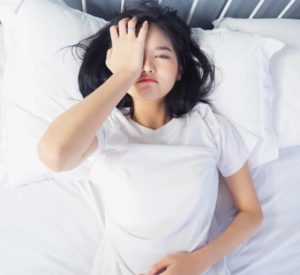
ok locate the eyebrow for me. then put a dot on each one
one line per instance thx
(163, 48)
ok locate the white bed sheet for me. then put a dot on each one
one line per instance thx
(3, 170)
(275, 247)
(52, 227)
(2, 62)
(47, 228)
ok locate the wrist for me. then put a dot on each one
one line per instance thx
(121, 81)
(131, 76)
(203, 259)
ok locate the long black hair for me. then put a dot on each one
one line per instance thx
(198, 70)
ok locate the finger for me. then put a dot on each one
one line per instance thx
(122, 26)
(159, 267)
(108, 54)
(166, 272)
(131, 26)
(161, 271)
(143, 31)
(113, 34)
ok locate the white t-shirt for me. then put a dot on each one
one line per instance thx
(159, 187)
(202, 127)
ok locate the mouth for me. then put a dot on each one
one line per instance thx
(147, 81)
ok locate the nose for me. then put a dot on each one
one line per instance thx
(148, 66)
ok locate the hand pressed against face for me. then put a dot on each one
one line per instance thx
(160, 63)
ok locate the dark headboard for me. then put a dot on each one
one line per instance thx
(200, 13)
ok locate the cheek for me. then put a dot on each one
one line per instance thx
(170, 74)
(171, 69)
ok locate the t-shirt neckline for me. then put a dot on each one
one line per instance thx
(147, 130)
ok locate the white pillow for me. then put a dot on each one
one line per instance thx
(244, 91)
(9, 6)
(2, 52)
(47, 82)
(3, 170)
(285, 68)
(2, 61)
(40, 81)
(6, 6)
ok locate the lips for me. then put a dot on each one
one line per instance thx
(146, 79)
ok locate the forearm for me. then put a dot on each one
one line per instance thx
(239, 230)
(73, 130)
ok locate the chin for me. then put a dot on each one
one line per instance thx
(147, 95)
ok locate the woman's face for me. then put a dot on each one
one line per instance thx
(160, 64)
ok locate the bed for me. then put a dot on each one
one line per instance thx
(50, 222)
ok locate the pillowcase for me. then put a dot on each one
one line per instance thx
(47, 83)
(2, 61)
(6, 6)
(9, 6)
(285, 67)
(244, 91)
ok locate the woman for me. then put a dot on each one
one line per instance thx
(156, 146)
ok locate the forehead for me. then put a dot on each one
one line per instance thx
(157, 37)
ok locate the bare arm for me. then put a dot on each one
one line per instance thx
(70, 134)
(70, 138)
(245, 223)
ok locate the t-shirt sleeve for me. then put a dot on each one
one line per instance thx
(100, 133)
(104, 133)
(101, 145)
(232, 150)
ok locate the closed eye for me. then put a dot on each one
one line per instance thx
(163, 56)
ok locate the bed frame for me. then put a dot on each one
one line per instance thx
(200, 13)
